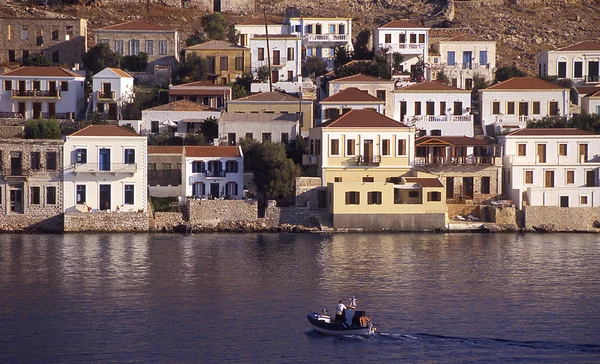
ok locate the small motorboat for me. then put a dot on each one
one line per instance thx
(354, 323)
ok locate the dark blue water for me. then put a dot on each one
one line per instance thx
(243, 298)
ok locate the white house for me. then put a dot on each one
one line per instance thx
(214, 172)
(105, 168)
(285, 57)
(180, 117)
(251, 28)
(403, 37)
(41, 92)
(590, 103)
(461, 56)
(579, 62)
(277, 128)
(510, 104)
(435, 109)
(375, 86)
(349, 99)
(551, 167)
(321, 36)
(111, 89)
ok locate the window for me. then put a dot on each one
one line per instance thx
(309, 29)
(413, 38)
(154, 126)
(119, 47)
(35, 196)
(483, 58)
(388, 38)
(458, 110)
(129, 156)
(231, 166)
(549, 179)
(165, 166)
(570, 177)
(468, 83)
(536, 108)
(80, 197)
(81, 156)
(224, 63)
(434, 196)
(449, 187)
(413, 194)
(68, 32)
(35, 160)
(129, 194)
(239, 63)
(578, 69)
(11, 55)
(402, 38)
(261, 54)
(374, 198)
(496, 107)
(149, 47)
(290, 76)
(368, 179)
(51, 161)
(385, 147)
(231, 189)
(198, 167)
(521, 150)
(350, 147)
(429, 108)
(335, 147)
(64, 86)
(381, 95)
(266, 137)
(341, 29)
(290, 54)
(442, 107)
(553, 108)
(485, 185)
(51, 195)
(451, 58)
(134, 47)
(162, 47)
(417, 107)
(249, 136)
(7, 85)
(25, 54)
(529, 177)
(583, 200)
(352, 198)
(562, 69)
(523, 108)
(285, 138)
(541, 152)
(337, 179)
(562, 150)
(24, 33)
(401, 146)
(421, 38)
(510, 108)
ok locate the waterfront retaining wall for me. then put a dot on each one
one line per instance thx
(213, 212)
(553, 218)
(18, 223)
(106, 222)
(394, 222)
(167, 221)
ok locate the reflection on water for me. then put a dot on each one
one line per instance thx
(243, 297)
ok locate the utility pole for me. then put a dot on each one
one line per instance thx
(268, 50)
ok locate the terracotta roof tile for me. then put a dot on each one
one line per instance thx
(425, 182)
(135, 25)
(352, 94)
(197, 152)
(431, 86)
(121, 73)
(362, 119)
(262, 117)
(524, 83)
(105, 131)
(550, 132)
(42, 72)
(588, 45)
(199, 83)
(165, 149)
(259, 21)
(594, 94)
(215, 44)
(361, 78)
(402, 23)
(586, 90)
(268, 96)
(181, 105)
(449, 140)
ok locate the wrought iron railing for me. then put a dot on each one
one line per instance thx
(105, 168)
(36, 93)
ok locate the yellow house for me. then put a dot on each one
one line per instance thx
(225, 61)
(364, 158)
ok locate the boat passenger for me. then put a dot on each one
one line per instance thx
(353, 302)
(339, 311)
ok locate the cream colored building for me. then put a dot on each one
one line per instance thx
(403, 37)
(348, 99)
(590, 103)
(226, 61)
(374, 86)
(580, 62)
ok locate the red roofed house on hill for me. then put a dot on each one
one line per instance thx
(578, 62)
(404, 37)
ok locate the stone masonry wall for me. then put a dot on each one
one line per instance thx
(38, 224)
(203, 5)
(106, 222)
(167, 221)
(505, 215)
(11, 132)
(295, 215)
(561, 218)
(307, 194)
(212, 212)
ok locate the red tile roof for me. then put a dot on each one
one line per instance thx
(195, 92)
(196, 152)
(586, 90)
(524, 83)
(121, 73)
(165, 149)
(594, 94)
(401, 23)
(362, 119)
(361, 78)
(431, 86)
(352, 94)
(41, 72)
(215, 44)
(425, 182)
(550, 132)
(588, 45)
(135, 25)
(274, 96)
(200, 83)
(449, 140)
(105, 131)
(181, 105)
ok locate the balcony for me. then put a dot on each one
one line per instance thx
(453, 161)
(35, 94)
(507, 121)
(373, 160)
(107, 96)
(215, 174)
(405, 48)
(11, 115)
(114, 168)
(58, 116)
(420, 119)
(16, 174)
(463, 66)
(342, 38)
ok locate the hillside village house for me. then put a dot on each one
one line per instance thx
(61, 40)
(510, 104)
(403, 37)
(31, 177)
(41, 92)
(374, 86)
(179, 118)
(112, 88)
(348, 99)
(105, 170)
(277, 128)
(435, 109)
(275, 103)
(285, 60)
(461, 56)
(129, 39)
(591, 103)
(165, 173)
(201, 92)
(226, 61)
(364, 159)
(214, 172)
(551, 167)
(320, 36)
(251, 28)
(580, 62)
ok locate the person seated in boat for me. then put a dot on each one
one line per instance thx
(339, 312)
(352, 302)
(364, 320)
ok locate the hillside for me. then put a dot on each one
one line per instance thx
(520, 30)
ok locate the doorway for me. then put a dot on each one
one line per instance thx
(214, 190)
(368, 151)
(112, 111)
(104, 164)
(37, 110)
(16, 198)
(104, 201)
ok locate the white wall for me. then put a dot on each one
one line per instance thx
(590, 105)
(371, 88)
(250, 31)
(256, 128)
(325, 42)
(191, 178)
(122, 86)
(286, 65)
(410, 51)
(162, 116)
(548, 63)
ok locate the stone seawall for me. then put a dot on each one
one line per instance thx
(167, 221)
(106, 222)
(31, 224)
(552, 218)
(212, 212)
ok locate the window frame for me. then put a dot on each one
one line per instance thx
(128, 194)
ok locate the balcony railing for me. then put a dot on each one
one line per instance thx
(215, 174)
(373, 160)
(102, 168)
(518, 120)
(463, 66)
(327, 37)
(11, 115)
(424, 161)
(416, 48)
(107, 96)
(414, 120)
(36, 93)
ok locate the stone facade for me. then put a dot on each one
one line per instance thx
(106, 222)
(552, 218)
(167, 221)
(235, 6)
(308, 190)
(212, 212)
(61, 40)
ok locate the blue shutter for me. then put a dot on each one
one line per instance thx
(451, 58)
(483, 58)
(235, 167)
(235, 189)
(202, 167)
(194, 168)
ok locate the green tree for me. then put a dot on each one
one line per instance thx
(314, 66)
(341, 57)
(262, 74)
(361, 46)
(397, 60)
(137, 63)
(418, 72)
(215, 26)
(192, 68)
(295, 149)
(479, 82)
(99, 57)
(241, 86)
(198, 37)
(233, 35)
(382, 66)
(196, 138)
(144, 98)
(210, 128)
(42, 129)
(589, 122)
(442, 77)
(38, 60)
(508, 72)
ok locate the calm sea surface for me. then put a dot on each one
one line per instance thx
(243, 298)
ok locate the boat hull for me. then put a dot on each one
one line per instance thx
(324, 326)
